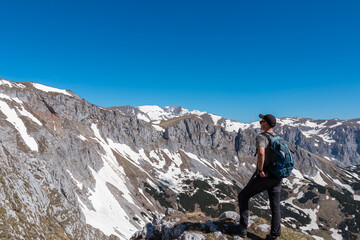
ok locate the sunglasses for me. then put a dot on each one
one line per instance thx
(262, 121)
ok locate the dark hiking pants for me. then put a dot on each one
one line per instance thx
(257, 185)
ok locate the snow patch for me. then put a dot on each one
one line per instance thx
(311, 129)
(356, 197)
(21, 109)
(347, 187)
(142, 193)
(215, 118)
(318, 179)
(110, 161)
(336, 125)
(50, 89)
(158, 128)
(78, 184)
(25, 113)
(13, 118)
(125, 151)
(156, 113)
(354, 175)
(4, 82)
(217, 163)
(3, 96)
(108, 211)
(310, 212)
(207, 164)
(335, 234)
(317, 237)
(297, 174)
(11, 84)
(176, 158)
(82, 137)
(233, 126)
(142, 116)
(300, 195)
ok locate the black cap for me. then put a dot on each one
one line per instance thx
(270, 119)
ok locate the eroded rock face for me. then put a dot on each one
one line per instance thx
(71, 169)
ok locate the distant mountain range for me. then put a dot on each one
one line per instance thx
(336, 140)
(74, 170)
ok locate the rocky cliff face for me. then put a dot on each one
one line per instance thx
(336, 140)
(73, 170)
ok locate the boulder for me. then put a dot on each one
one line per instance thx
(170, 211)
(191, 236)
(219, 235)
(263, 228)
(230, 215)
(137, 235)
(237, 238)
(156, 219)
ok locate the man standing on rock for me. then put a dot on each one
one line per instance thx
(262, 181)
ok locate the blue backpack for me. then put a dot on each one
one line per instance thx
(281, 158)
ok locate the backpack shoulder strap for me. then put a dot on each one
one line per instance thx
(267, 135)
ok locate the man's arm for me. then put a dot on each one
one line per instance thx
(261, 160)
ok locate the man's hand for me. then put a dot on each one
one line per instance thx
(263, 174)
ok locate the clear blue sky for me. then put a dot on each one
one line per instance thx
(232, 58)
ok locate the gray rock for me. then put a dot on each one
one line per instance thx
(219, 235)
(168, 231)
(251, 219)
(156, 219)
(169, 223)
(263, 228)
(170, 211)
(137, 235)
(230, 215)
(191, 236)
(237, 237)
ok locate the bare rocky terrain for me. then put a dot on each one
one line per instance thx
(74, 170)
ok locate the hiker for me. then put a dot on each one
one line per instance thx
(262, 180)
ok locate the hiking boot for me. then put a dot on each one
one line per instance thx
(269, 237)
(243, 232)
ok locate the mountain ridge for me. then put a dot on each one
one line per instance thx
(92, 166)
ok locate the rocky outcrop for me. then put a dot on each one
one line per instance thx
(195, 226)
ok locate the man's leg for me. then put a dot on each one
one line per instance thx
(274, 197)
(255, 185)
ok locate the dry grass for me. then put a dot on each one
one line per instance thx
(197, 218)
(175, 121)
